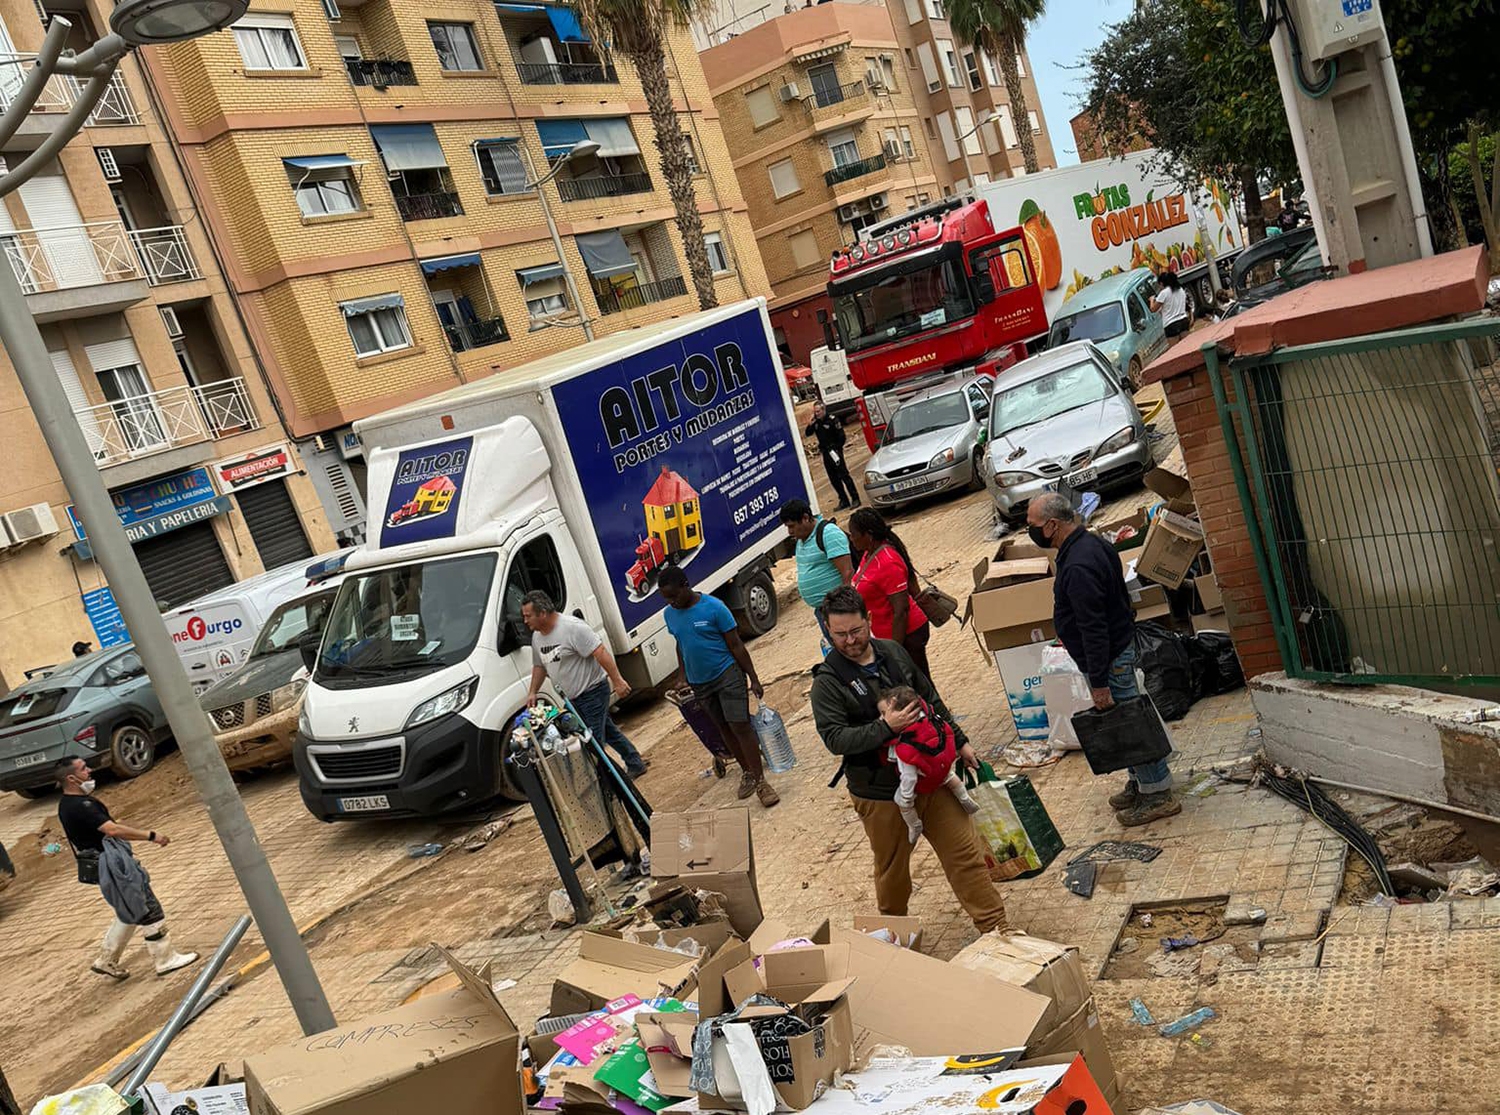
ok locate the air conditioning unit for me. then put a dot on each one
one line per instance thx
(30, 524)
(108, 164)
(790, 92)
(892, 150)
(6, 541)
(848, 212)
(874, 83)
(169, 319)
(876, 202)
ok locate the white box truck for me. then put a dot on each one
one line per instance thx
(582, 474)
(1086, 222)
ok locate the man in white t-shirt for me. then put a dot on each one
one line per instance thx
(570, 652)
(1171, 302)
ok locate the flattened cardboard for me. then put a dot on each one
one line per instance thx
(457, 1052)
(1210, 599)
(608, 968)
(908, 930)
(1049, 969)
(1172, 544)
(1083, 1034)
(1172, 487)
(668, 1042)
(711, 849)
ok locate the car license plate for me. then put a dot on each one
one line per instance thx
(30, 760)
(908, 485)
(364, 805)
(1083, 476)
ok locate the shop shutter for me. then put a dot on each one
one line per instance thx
(184, 564)
(272, 519)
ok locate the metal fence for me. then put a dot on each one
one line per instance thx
(1367, 469)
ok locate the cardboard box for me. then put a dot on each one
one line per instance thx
(1015, 612)
(1208, 597)
(224, 1099)
(1172, 487)
(908, 931)
(458, 1053)
(668, 1042)
(1138, 521)
(1150, 602)
(1083, 1034)
(710, 849)
(1172, 544)
(1021, 673)
(609, 968)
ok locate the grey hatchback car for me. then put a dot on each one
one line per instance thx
(933, 442)
(100, 708)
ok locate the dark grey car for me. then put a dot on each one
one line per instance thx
(101, 708)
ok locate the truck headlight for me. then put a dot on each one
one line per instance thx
(454, 700)
(304, 725)
(1117, 441)
(873, 477)
(1114, 357)
(943, 458)
(1011, 479)
(287, 695)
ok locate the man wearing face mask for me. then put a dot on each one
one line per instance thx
(87, 824)
(1091, 612)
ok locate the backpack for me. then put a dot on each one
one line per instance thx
(818, 534)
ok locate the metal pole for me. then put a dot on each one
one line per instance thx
(75, 462)
(184, 1009)
(541, 193)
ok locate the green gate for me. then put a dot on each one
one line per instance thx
(1367, 469)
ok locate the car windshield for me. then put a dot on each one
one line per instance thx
(289, 623)
(1099, 323)
(926, 415)
(399, 623)
(23, 708)
(876, 308)
(1044, 397)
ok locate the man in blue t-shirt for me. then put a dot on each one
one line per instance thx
(823, 559)
(717, 666)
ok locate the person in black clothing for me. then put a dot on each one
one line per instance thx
(830, 434)
(86, 822)
(1091, 611)
(846, 691)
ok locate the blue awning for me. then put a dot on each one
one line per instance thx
(519, 8)
(321, 162)
(530, 275)
(370, 305)
(560, 136)
(408, 146)
(565, 23)
(433, 266)
(604, 253)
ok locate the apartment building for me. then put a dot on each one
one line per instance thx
(117, 268)
(827, 138)
(369, 167)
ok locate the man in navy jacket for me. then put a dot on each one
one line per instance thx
(1091, 611)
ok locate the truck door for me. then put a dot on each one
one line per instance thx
(545, 561)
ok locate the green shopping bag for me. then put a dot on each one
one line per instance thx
(1019, 837)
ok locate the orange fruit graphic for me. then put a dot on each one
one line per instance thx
(1041, 242)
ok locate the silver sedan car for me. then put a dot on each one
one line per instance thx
(1067, 416)
(933, 442)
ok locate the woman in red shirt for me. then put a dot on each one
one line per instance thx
(885, 578)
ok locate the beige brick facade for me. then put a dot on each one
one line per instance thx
(292, 272)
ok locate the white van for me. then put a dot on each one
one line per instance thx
(213, 634)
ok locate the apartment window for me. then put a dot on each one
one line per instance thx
(323, 184)
(858, 224)
(348, 48)
(762, 105)
(455, 45)
(950, 62)
(911, 59)
(923, 199)
(713, 244)
(935, 10)
(501, 166)
(1008, 127)
(908, 148)
(1035, 122)
(971, 66)
(805, 250)
(1020, 66)
(888, 72)
(931, 130)
(691, 152)
(950, 137)
(269, 42)
(783, 178)
(843, 147)
(991, 71)
(929, 67)
(964, 117)
(377, 325)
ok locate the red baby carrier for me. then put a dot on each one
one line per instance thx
(929, 746)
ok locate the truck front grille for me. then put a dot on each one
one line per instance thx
(363, 764)
(230, 716)
(263, 705)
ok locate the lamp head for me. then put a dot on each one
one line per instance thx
(154, 22)
(582, 149)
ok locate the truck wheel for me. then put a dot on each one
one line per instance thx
(132, 751)
(1205, 289)
(1133, 375)
(761, 608)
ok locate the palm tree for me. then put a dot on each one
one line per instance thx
(637, 29)
(999, 27)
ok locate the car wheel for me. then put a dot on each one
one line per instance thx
(761, 608)
(32, 793)
(976, 475)
(132, 751)
(1133, 375)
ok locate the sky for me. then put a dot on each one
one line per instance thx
(1058, 40)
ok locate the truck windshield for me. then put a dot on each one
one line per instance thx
(882, 306)
(399, 623)
(927, 415)
(1047, 396)
(1099, 323)
(289, 623)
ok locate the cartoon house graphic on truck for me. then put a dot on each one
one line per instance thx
(674, 531)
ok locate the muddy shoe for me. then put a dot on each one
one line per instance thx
(747, 785)
(1126, 797)
(1148, 808)
(767, 794)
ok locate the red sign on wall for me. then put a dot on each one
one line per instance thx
(256, 467)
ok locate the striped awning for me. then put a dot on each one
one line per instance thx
(370, 305)
(445, 263)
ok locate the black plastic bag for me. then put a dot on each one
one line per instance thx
(1163, 655)
(1217, 666)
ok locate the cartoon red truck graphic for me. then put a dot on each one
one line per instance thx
(432, 498)
(674, 532)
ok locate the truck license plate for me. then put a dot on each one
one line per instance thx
(365, 804)
(30, 760)
(1083, 476)
(908, 485)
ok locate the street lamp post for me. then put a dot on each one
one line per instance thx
(135, 23)
(582, 148)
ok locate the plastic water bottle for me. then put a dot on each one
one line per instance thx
(775, 744)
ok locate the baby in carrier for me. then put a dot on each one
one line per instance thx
(924, 754)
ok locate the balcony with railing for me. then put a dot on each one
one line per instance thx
(857, 169)
(568, 73)
(61, 93)
(836, 96)
(615, 299)
(139, 425)
(466, 335)
(378, 73)
(76, 270)
(603, 185)
(165, 255)
(427, 207)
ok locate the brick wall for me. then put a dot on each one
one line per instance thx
(1206, 457)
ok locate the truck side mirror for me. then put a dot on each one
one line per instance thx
(307, 646)
(984, 288)
(510, 637)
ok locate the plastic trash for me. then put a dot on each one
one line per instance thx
(560, 908)
(1216, 666)
(51, 849)
(1187, 1022)
(1065, 691)
(775, 744)
(1168, 668)
(1141, 1014)
(422, 851)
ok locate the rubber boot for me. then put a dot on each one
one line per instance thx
(108, 961)
(166, 958)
